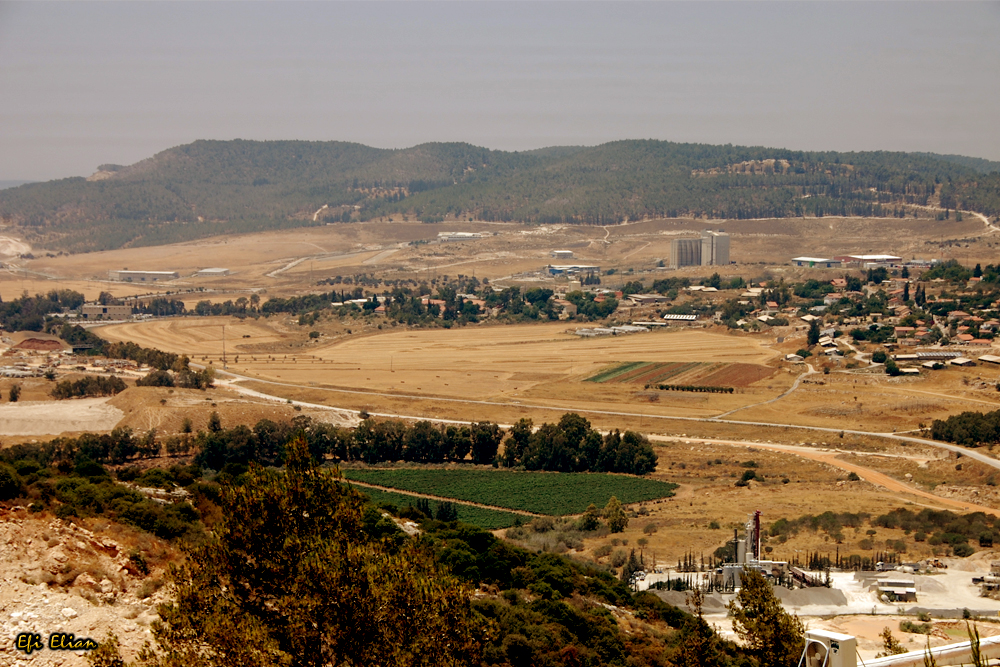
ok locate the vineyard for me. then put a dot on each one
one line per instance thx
(539, 492)
(689, 373)
(477, 516)
(697, 388)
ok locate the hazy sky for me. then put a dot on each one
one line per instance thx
(84, 83)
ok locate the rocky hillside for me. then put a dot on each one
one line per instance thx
(60, 577)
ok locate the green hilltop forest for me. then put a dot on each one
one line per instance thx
(218, 187)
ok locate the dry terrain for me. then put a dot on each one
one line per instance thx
(60, 576)
(292, 261)
(473, 372)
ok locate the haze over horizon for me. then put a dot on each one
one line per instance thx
(83, 84)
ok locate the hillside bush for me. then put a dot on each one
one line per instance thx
(90, 385)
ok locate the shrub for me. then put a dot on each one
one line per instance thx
(10, 483)
(602, 551)
(745, 479)
(618, 558)
(543, 524)
(963, 550)
(649, 529)
(156, 379)
(138, 561)
(915, 628)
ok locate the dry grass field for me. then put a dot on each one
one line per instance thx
(468, 368)
(708, 497)
(504, 373)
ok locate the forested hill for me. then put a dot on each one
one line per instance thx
(214, 187)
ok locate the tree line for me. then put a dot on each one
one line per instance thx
(571, 445)
(90, 385)
(971, 429)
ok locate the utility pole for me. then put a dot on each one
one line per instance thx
(224, 346)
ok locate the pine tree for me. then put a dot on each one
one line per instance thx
(769, 633)
(813, 336)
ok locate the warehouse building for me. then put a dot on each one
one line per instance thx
(212, 273)
(816, 262)
(95, 311)
(126, 276)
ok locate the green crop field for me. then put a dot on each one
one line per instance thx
(477, 516)
(539, 492)
(619, 369)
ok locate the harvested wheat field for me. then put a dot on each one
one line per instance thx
(469, 368)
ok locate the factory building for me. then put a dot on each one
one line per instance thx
(95, 311)
(126, 276)
(685, 252)
(214, 272)
(711, 249)
(714, 248)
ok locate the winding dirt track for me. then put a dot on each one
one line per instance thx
(830, 458)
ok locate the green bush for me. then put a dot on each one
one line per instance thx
(963, 550)
(915, 628)
(10, 483)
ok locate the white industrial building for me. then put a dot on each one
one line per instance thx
(816, 262)
(126, 276)
(561, 254)
(867, 261)
(212, 273)
(444, 237)
(685, 252)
